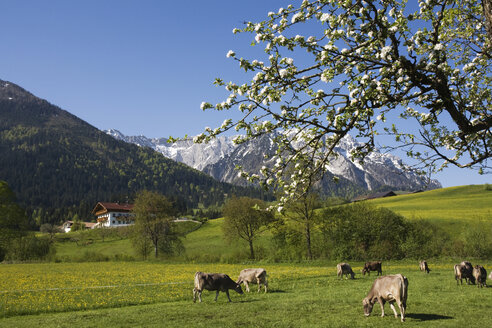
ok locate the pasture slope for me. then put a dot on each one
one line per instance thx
(463, 203)
(137, 294)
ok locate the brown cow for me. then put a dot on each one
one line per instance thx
(424, 267)
(344, 269)
(392, 288)
(480, 275)
(464, 270)
(214, 281)
(258, 276)
(372, 266)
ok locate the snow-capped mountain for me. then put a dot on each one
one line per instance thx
(195, 155)
(220, 157)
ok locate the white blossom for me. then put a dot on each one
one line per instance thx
(230, 54)
(324, 17)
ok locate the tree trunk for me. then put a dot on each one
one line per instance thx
(251, 250)
(155, 251)
(487, 15)
(308, 241)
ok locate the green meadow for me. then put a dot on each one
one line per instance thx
(453, 208)
(160, 295)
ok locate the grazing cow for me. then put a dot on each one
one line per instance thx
(344, 269)
(258, 276)
(480, 275)
(490, 275)
(424, 267)
(214, 281)
(464, 270)
(372, 266)
(392, 288)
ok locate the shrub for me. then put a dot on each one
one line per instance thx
(361, 231)
(426, 240)
(29, 248)
(477, 242)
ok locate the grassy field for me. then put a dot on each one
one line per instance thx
(451, 208)
(464, 203)
(137, 294)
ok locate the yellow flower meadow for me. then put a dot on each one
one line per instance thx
(49, 287)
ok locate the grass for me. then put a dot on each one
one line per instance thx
(301, 296)
(451, 208)
(464, 203)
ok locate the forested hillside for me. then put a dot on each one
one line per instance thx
(58, 165)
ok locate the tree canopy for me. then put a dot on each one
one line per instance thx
(153, 221)
(366, 68)
(244, 218)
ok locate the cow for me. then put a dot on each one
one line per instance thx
(372, 266)
(344, 269)
(424, 267)
(214, 281)
(464, 270)
(258, 276)
(392, 288)
(480, 275)
(490, 275)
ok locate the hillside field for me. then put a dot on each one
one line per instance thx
(123, 294)
(452, 208)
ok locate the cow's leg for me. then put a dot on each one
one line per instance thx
(227, 293)
(392, 306)
(265, 283)
(259, 284)
(402, 306)
(198, 292)
(246, 285)
(217, 295)
(381, 302)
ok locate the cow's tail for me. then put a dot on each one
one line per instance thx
(404, 290)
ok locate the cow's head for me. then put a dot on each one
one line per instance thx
(363, 271)
(367, 304)
(352, 274)
(238, 288)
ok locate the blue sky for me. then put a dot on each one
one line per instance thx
(142, 67)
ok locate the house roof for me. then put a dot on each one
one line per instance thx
(103, 207)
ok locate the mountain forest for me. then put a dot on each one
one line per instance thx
(59, 166)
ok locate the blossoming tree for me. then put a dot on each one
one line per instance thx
(364, 68)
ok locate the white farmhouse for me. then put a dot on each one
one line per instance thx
(111, 215)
